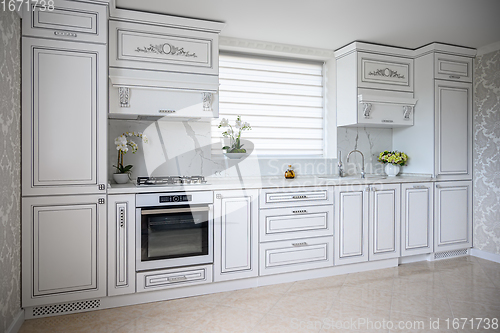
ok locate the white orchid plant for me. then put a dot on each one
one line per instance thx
(122, 145)
(234, 134)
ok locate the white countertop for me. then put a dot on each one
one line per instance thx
(225, 183)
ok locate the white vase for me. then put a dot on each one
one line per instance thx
(391, 170)
(121, 178)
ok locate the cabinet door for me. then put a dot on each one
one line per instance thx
(235, 234)
(351, 224)
(64, 117)
(385, 221)
(64, 249)
(451, 67)
(376, 71)
(453, 215)
(121, 244)
(417, 218)
(453, 140)
(69, 20)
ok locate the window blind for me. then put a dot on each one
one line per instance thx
(281, 99)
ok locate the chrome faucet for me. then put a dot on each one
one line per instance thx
(340, 165)
(362, 161)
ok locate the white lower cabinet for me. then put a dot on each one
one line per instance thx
(174, 277)
(384, 221)
(235, 234)
(417, 218)
(296, 255)
(121, 244)
(452, 215)
(64, 249)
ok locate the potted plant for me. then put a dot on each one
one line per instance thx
(234, 150)
(393, 160)
(122, 174)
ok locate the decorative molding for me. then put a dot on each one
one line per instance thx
(124, 94)
(166, 48)
(488, 48)
(207, 101)
(253, 46)
(386, 72)
(367, 108)
(408, 109)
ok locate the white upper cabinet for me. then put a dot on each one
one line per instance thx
(374, 86)
(453, 131)
(64, 117)
(452, 67)
(69, 20)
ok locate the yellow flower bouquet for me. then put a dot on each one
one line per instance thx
(393, 157)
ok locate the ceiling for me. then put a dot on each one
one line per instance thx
(331, 24)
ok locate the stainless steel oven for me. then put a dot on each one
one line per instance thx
(174, 229)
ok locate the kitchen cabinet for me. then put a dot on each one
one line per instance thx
(452, 215)
(304, 196)
(374, 86)
(351, 224)
(235, 234)
(173, 278)
(384, 221)
(64, 249)
(417, 216)
(121, 244)
(63, 117)
(440, 141)
(453, 130)
(69, 20)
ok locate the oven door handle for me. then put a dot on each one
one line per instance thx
(173, 210)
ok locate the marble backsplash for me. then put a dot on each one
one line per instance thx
(184, 148)
(487, 152)
(10, 163)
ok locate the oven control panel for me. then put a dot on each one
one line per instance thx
(175, 198)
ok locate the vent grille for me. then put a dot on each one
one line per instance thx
(450, 254)
(66, 307)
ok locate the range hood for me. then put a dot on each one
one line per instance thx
(149, 95)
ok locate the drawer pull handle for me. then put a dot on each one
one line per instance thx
(177, 278)
(299, 211)
(299, 244)
(420, 186)
(166, 111)
(299, 197)
(65, 34)
(454, 77)
(387, 121)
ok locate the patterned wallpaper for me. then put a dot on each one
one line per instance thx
(10, 161)
(487, 152)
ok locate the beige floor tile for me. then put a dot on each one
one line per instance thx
(275, 324)
(226, 319)
(493, 274)
(348, 317)
(486, 296)
(149, 325)
(301, 308)
(473, 310)
(487, 263)
(415, 267)
(257, 300)
(182, 312)
(215, 298)
(410, 287)
(454, 262)
(372, 298)
(280, 288)
(426, 304)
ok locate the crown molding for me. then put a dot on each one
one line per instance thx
(276, 49)
(488, 48)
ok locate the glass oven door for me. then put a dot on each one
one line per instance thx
(175, 236)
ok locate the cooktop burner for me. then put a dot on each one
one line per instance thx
(170, 180)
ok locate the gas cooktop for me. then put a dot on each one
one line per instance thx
(170, 180)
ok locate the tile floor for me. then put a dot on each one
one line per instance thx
(409, 294)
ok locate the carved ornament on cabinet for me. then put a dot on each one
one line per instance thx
(207, 101)
(124, 94)
(367, 108)
(386, 72)
(407, 111)
(166, 48)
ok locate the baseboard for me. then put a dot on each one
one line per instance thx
(485, 255)
(17, 323)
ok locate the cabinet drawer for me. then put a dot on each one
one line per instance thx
(377, 71)
(297, 222)
(296, 255)
(142, 46)
(290, 198)
(70, 20)
(171, 278)
(456, 68)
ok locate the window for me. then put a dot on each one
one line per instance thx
(282, 100)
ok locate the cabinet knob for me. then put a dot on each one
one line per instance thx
(218, 196)
(299, 244)
(102, 187)
(101, 201)
(454, 77)
(367, 189)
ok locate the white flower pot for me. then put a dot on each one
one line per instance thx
(392, 170)
(121, 178)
